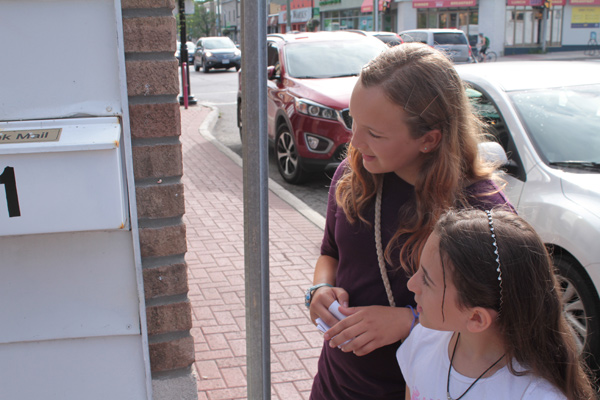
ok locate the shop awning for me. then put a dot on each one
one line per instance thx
(443, 3)
(538, 3)
(273, 19)
(367, 6)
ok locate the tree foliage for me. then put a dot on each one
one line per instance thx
(201, 23)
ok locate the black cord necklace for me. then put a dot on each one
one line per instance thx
(474, 382)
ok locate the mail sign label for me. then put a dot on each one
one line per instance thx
(28, 136)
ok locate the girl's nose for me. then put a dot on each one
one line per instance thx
(413, 283)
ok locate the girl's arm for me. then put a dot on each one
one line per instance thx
(407, 393)
(371, 327)
(325, 271)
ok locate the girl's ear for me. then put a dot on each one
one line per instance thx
(480, 319)
(430, 140)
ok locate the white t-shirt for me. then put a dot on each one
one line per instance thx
(424, 361)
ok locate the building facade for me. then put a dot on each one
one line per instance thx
(513, 26)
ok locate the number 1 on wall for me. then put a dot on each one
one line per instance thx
(10, 187)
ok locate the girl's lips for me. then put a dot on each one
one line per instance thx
(368, 158)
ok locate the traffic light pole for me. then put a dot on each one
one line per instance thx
(183, 58)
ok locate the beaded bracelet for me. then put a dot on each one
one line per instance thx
(415, 317)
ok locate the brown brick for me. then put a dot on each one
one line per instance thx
(155, 120)
(128, 4)
(160, 201)
(171, 355)
(149, 34)
(163, 241)
(152, 77)
(166, 280)
(175, 317)
(157, 161)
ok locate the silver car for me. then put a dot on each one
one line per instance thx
(546, 117)
(452, 42)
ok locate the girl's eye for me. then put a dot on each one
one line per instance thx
(374, 135)
(425, 283)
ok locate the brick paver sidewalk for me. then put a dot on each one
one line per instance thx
(214, 215)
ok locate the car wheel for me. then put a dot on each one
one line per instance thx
(288, 161)
(239, 118)
(204, 67)
(237, 67)
(196, 67)
(580, 306)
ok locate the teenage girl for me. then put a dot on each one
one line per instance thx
(413, 155)
(491, 321)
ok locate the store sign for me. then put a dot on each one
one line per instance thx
(535, 3)
(443, 3)
(585, 2)
(585, 17)
(298, 15)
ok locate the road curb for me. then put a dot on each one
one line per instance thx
(206, 131)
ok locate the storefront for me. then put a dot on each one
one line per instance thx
(449, 14)
(357, 16)
(524, 23)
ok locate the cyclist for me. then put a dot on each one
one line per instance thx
(483, 43)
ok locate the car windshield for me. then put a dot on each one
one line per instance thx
(330, 59)
(563, 123)
(449, 38)
(219, 43)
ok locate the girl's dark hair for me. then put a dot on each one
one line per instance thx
(530, 318)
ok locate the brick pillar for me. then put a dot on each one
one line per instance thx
(152, 83)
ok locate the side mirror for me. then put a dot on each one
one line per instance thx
(494, 153)
(271, 72)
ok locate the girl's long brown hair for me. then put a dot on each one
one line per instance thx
(531, 318)
(425, 84)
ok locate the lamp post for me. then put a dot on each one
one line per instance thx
(183, 56)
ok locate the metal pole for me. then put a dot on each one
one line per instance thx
(375, 15)
(183, 56)
(255, 154)
(544, 28)
(288, 12)
(218, 17)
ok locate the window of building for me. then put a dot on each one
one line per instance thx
(524, 26)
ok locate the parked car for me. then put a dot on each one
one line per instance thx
(546, 117)
(191, 49)
(452, 42)
(310, 80)
(217, 52)
(389, 38)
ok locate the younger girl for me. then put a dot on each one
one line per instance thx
(491, 322)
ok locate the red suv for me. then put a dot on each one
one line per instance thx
(310, 79)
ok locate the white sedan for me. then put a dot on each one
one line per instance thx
(546, 116)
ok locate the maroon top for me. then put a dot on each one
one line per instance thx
(376, 376)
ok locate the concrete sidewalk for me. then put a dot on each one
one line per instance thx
(215, 258)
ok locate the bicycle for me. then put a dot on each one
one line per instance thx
(488, 56)
(592, 46)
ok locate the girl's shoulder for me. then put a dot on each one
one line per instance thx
(485, 194)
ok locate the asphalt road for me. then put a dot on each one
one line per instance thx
(218, 88)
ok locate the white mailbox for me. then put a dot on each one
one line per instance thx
(61, 176)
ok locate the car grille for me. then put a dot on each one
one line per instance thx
(224, 56)
(340, 152)
(347, 118)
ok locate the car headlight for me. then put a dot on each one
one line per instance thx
(313, 109)
(208, 54)
(237, 53)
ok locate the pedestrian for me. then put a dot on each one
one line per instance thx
(413, 155)
(487, 296)
(313, 25)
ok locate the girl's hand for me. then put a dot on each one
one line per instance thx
(322, 299)
(370, 328)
